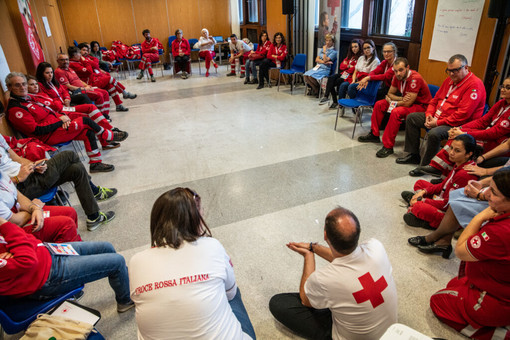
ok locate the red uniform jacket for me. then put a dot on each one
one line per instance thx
(32, 119)
(384, 71)
(44, 100)
(28, 270)
(57, 93)
(456, 179)
(344, 67)
(68, 77)
(465, 102)
(280, 52)
(491, 129)
(83, 69)
(182, 45)
(147, 45)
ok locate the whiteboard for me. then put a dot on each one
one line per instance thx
(455, 28)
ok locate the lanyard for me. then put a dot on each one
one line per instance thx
(56, 91)
(453, 88)
(403, 84)
(40, 104)
(501, 112)
(388, 65)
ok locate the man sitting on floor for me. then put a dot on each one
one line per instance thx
(460, 99)
(63, 167)
(353, 297)
(408, 93)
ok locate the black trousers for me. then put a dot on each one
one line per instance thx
(264, 70)
(63, 167)
(307, 322)
(414, 123)
(332, 86)
(182, 62)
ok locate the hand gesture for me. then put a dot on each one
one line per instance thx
(475, 170)
(40, 168)
(67, 102)
(66, 120)
(302, 248)
(472, 188)
(25, 171)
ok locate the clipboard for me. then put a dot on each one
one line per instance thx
(75, 311)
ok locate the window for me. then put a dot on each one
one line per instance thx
(393, 17)
(252, 11)
(352, 14)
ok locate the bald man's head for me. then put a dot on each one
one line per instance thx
(342, 230)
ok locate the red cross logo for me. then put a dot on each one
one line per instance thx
(371, 290)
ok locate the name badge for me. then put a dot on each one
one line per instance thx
(345, 75)
(438, 113)
(393, 104)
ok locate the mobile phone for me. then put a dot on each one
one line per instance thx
(40, 164)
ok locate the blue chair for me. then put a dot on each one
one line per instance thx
(170, 41)
(192, 43)
(433, 90)
(297, 68)
(17, 314)
(364, 98)
(52, 193)
(324, 81)
(75, 43)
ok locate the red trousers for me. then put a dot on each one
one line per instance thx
(208, 56)
(107, 82)
(428, 210)
(61, 226)
(88, 110)
(459, 307)
(397, 116)
(101, 99)
(242, 61)
(147, 60)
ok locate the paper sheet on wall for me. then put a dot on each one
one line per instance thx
(455, 28)
(4, 69)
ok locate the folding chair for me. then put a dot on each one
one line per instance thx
(364, 98)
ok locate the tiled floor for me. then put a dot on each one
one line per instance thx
(269, 167)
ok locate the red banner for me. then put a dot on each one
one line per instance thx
(31, 31)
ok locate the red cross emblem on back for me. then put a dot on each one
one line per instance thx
(371, 290)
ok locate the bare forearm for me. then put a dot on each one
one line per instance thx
(308, 269)
(324, 252)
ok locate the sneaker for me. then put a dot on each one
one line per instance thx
(111, 146)
(139, 76)
(105, 193)
(231, 74)
(119, 136)
(121, 108)
(323, 101)
(103, 218)
(370, 138)
(101, 167)
(333, 106)
(384, 152)
(124, 307)
(153, 80)
(242, 75)
(128, 95)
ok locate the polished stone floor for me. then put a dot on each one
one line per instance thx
(269, 167)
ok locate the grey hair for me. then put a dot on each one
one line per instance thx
(459, 57)
(12, 75)
(392, 46)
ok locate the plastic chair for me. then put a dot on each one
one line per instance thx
(75, 43)
(433, 90)
(364, 98)
(52, 194)
(16, 314)
(170, 41)
(297, 68)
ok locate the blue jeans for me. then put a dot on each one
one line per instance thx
(241, 314)
(251, 67)
(342, 90)
(351, 91)
(96, 261)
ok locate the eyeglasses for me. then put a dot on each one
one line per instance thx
(67, 59)
(506, 87)
(390, 51)
(19, 85)
(454, 70)
(367, 48)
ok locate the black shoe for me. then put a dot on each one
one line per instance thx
(436, 180)
(260, 87)
(414, 221)
(153, 80)
(416, 172)
(111, 146)
(242, 75)
(231, 74)
(407, 196)
(254, 81)
(333, 106)
(418, 241)
(370, 138)
(430, 170)
(121, 108)
(101, 167)
(409, 159)
(119, 136)
(323, 101)
(246, 81)
(432, 248)
(129, 95)
(384, 152)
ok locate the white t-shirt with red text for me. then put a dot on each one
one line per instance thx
(359, 290)
(182, 293)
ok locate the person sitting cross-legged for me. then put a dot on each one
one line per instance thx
(352, 297)
(408, 93)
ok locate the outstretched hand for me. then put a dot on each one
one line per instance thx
(302, 248)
